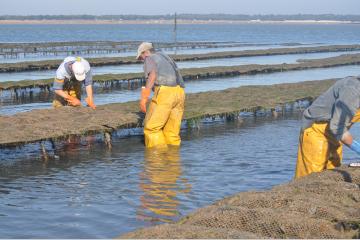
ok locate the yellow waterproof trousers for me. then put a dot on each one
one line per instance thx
(74, 91)
(318, 150)
(163, 118)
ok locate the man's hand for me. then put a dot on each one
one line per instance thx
(90, 103)
(73, 101)
(145, 94)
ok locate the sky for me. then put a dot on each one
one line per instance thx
(151, 7)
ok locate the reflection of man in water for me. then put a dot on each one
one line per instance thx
(161, 183)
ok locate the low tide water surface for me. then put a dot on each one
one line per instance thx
(90, 192)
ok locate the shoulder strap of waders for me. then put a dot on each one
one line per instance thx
(172, 63)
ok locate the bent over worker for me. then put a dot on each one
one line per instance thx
(326, 124)
(67, 84)
(163, 119)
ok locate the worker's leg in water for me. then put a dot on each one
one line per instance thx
(173, 125)
(156, 118)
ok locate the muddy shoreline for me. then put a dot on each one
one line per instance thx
(321, 205)
(198, 73)
(43, 125)
(53, 64)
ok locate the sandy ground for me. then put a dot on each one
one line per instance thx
(38, 125)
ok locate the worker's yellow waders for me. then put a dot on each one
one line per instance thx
(163, 118)
(73, 90)
(318, 150)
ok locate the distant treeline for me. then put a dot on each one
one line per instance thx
(206, 17)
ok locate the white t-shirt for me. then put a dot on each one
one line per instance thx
(64, 72)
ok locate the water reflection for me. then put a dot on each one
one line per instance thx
(161, 183)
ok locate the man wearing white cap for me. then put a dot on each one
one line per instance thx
(163, 118)
(67, 84)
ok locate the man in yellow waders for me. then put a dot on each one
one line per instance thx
(67, 84)
(163, 119)
(326, 125)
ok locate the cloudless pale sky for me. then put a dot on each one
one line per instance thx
(150, 7)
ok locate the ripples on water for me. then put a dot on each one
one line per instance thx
(89, 192)
(246, 33)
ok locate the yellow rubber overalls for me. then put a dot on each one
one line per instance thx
(163, 118)
(319, 149)
(72, 87)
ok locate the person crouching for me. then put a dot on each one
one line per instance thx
(71, 73)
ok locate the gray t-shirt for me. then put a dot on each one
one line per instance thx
(64, 73)
(149, 66)
(337, 106)
(167, 72)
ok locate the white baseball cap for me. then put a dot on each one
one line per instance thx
(79, 71)
(143, 47)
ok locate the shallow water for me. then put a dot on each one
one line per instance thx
(89, 192)
(133, 68)
(246, 33)
(30, 57)
(11, 105)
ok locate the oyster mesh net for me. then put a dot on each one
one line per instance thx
(322, 205)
